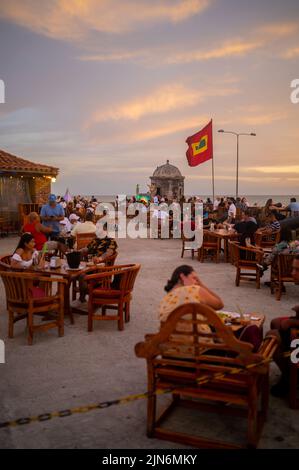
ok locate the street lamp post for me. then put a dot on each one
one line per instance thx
(237, 135)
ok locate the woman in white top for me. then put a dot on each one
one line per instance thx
(25, 253)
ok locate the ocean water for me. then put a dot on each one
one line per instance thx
(258, 200)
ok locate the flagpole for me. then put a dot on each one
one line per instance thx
(213, 174)
(213, 180)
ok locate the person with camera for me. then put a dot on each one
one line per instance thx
(51, 215)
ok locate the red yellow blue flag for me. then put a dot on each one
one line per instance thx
(200, 146)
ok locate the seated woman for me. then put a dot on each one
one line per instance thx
(25, 254)
(282, 327)
(186, 287)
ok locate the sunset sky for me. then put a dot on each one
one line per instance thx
(106, 90)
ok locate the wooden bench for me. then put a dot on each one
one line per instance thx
(182, 354)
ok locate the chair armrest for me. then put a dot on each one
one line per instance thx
(294, 333)
(101, 275)
(268, 347)
(251, 250)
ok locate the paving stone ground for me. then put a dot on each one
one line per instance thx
(83, 368)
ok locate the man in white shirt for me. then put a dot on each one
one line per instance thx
(216, 203)
(232, 209)
(293, 207)
(85, 227)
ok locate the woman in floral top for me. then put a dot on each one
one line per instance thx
(185, 287)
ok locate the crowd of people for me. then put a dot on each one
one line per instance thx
(59, 220)
(55, 230)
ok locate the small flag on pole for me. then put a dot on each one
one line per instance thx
(200, 146)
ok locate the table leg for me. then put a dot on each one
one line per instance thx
(67, 305)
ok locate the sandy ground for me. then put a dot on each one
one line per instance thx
(83, 368)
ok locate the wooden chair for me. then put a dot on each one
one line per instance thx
(5, 263)
(294, 376)
(281, 272)
(109, 261)
(246, 261)
(187, 245)
(178, 363)
(83, 239)
(267, 240)
(21, 303)
(210, 244)
(111, 288)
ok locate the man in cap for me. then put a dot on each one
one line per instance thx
(51, 215)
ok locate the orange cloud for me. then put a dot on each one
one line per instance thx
(164, 99)
(73, 20)
(168, 129)
(281, 169)
(276, 30)
(291, 53)
(231, 49)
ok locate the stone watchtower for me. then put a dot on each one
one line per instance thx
(168, 181)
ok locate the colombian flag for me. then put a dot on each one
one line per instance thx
(200, 146)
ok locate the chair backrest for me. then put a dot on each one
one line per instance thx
(128, 278)
(266, 240)
(126, 273)
(187, 239)
(194, 332)
(285, 262)
(110, 260)
(210, 239)
(5, 263)
(241, 254)
(83, 239)
(16, 286)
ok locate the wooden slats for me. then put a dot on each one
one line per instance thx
(177, 366)
(21, 304)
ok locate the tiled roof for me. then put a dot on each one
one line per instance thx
(10, 163)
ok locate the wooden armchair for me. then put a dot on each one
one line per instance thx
(5, 263)
(200, 372)
(109, 261)
(294, 376)
(21, 303)
(111, 288)
(281, 272)
(210, 244)
(267, 240)
(246, 261)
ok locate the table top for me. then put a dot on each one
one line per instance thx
(64, 269)
(221, 232)
(237, 323)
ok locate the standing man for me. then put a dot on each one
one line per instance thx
(51, 214)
